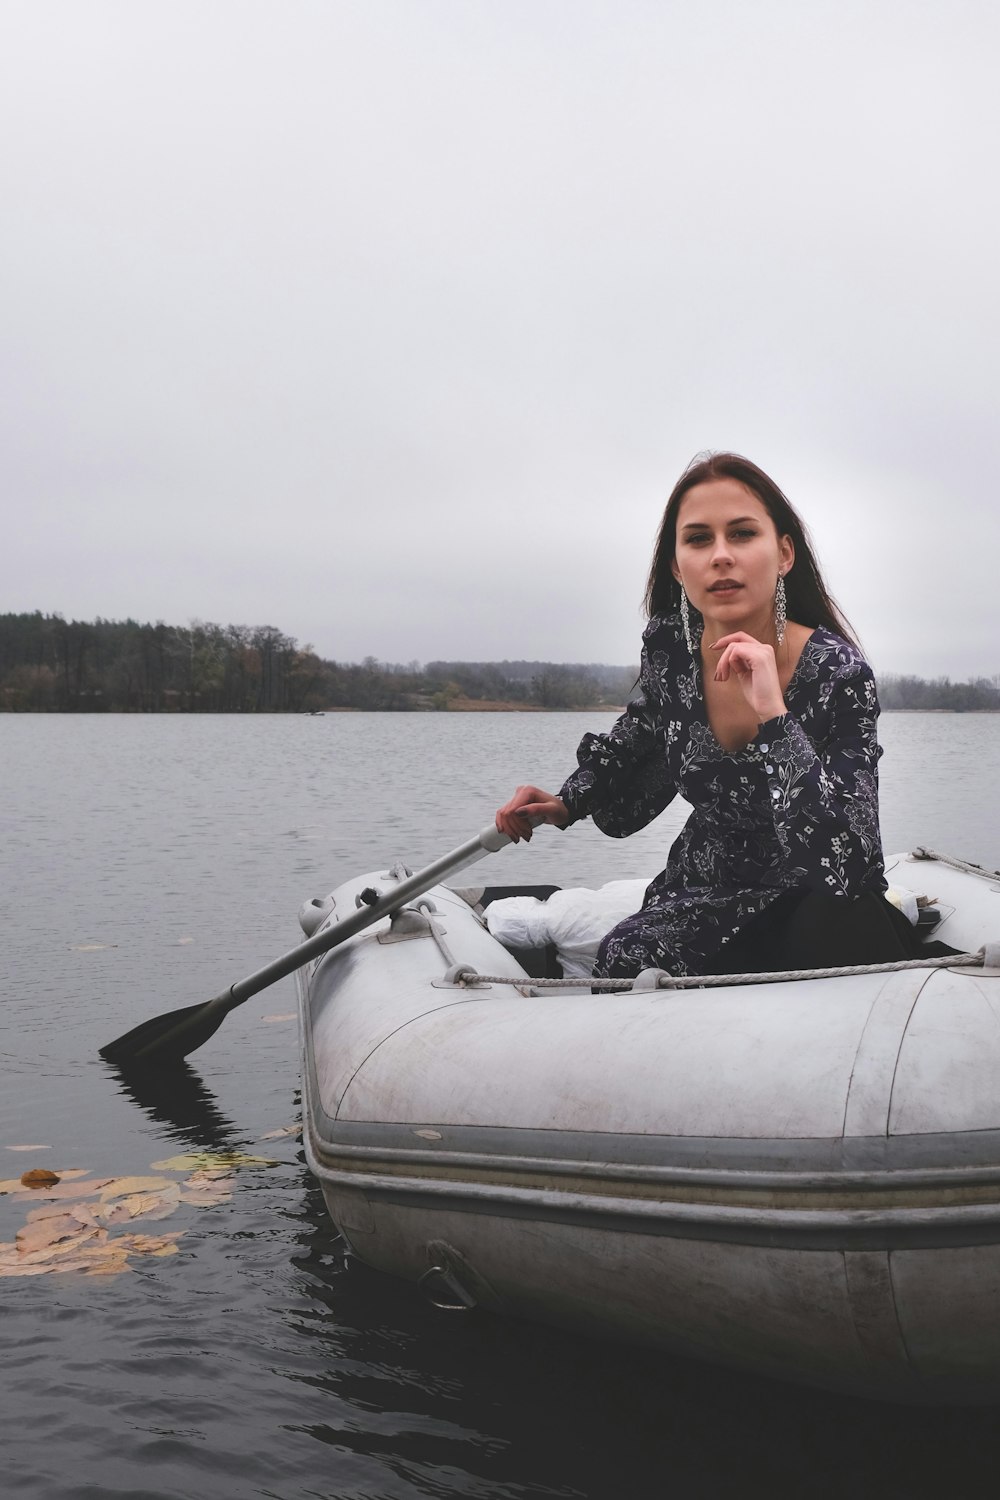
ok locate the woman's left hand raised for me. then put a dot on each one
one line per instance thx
(753, 665)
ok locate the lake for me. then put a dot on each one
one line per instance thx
(149, 862)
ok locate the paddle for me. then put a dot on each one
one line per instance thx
(167, 1039)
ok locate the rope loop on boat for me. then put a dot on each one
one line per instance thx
(663, 981)
(956, 864)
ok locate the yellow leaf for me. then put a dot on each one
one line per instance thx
(46, 1231)
(123, 1187)
(22, 1268)
(208, 1177)
(147, 1205)
(104, 1268)
(85, 1189)
(152, 1244)
(72, 1243)
(276, 1135)
(202, 1160)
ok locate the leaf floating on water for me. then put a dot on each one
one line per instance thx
(91, 947)
(141, 1206)
(80, 1214)
(205, 1160)
(290, 1015)
(123, 1187)
(207, 1188)
(29, 1148)
(38, 1177)
(84, 1189)
(151, 1244)
(52, 1237)
(277, 1135)
(48, 1231)
(183, 942)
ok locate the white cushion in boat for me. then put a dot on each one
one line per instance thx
(574, 920)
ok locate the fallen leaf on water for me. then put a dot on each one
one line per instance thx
(29, 1148)
(209, 1177)
(109, 1265)
(206, 1188)
(19, 1268)
(91, 947)
(276, 1135)
(66, 1189)
(38, 1177)
(141, 1206)
(288, 1016)
(182, 942)
(152, 1244)
(196, 1160)
(81, 1212)
(123, 1187)
(47, 1231)
(33, 1251)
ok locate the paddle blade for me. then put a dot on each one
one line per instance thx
(170, 1038)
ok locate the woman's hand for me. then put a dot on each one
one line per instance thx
(528, 807)
(753, 665)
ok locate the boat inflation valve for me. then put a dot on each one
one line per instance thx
(368, 896)
(312, 914)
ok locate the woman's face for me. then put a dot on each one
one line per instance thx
(728, 556)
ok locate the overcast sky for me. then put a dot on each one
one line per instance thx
(391, 323)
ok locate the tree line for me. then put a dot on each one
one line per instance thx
(977, 695)
(50, 664)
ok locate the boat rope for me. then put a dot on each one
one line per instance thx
(956, 864)
(467, 977)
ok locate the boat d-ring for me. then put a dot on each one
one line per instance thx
(442, 1284)
(444, 1291)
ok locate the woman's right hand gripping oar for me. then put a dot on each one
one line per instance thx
(529, 807)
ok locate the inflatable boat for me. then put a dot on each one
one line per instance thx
(794, 1175)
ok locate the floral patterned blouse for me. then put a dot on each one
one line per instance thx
(797, 808)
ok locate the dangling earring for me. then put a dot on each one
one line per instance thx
(780, 609)
(686, 620)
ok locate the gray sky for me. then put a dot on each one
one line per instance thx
(392, 322)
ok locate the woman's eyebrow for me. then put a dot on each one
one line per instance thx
(706, 525)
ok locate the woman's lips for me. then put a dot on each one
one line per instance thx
(725, 588)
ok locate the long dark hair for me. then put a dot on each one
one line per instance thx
(809, 602)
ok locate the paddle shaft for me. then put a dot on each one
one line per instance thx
(170, 1038)
(489, 841)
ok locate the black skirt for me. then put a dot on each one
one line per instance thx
(810, 930)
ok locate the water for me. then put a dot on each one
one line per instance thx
(147, 863)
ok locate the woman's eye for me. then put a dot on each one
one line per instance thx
(698, 539)
(743, 533)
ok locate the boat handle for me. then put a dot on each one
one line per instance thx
(459, 1300)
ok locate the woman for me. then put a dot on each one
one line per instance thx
(757, 707)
